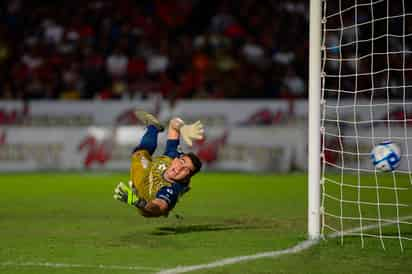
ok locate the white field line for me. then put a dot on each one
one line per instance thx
(181, 269)
(67, 265)
(273, 254)
(297, 248)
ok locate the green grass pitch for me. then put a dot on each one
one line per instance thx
(69, 223)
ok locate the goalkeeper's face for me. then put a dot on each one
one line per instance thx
(180, 168)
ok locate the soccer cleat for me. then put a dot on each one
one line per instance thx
(129, 195)
(148, 119)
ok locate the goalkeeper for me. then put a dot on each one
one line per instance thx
(157, 183)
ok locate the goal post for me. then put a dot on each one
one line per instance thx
(360, 94)
(314, 120)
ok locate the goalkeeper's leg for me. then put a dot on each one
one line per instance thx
(148, 119)
(149, 139)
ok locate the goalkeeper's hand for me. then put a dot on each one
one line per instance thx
(192, 132)
(129, 195)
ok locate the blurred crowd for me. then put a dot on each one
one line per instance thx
(139, 49)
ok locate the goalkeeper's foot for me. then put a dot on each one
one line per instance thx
(148, 119)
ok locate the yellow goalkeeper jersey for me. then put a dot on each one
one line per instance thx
(147, 173)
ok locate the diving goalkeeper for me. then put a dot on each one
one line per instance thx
(157, 183)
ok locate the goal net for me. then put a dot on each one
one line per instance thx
(366, 98)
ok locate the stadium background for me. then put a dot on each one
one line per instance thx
(71, 76)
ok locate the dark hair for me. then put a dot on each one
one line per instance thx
(197, 164)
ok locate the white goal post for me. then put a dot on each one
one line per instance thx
(314, 120)
(360, 94)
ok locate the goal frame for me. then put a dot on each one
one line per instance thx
(314, 134)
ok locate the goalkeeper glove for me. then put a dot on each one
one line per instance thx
(129, 195)
(192, 132)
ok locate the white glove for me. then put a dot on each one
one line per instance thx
(192, 132)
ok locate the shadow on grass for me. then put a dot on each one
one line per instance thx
(183, 229)
(154, 237)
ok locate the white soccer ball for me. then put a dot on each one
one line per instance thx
(386, 156)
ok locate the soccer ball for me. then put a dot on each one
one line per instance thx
(386, 156)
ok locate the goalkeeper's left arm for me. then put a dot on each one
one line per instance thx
(178, 128)
(188, 132)
(129, 195)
